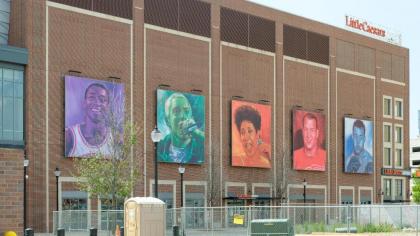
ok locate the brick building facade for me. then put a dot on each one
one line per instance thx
(223, 50)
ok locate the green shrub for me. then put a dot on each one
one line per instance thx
(371, 228)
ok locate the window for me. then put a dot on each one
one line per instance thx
(387, 156)
(398, 188)
(398, 157)
(387, 151)
(387, 188)
(398, 134)
(387, 107)
(398, 108)
(11, 106)
(416, 149)
(399, 147)
(387, 133)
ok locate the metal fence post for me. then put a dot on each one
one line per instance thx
(401, 222)
(348, 218)
(417, 220)
(212, 221)
(370, 214)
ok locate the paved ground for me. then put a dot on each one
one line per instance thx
(241, 232)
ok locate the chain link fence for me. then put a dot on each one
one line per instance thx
(194, 221)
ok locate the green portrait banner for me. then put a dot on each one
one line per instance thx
(181, 120)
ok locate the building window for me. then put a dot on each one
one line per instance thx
(399, 146)
(398, 108)
(398, 134)
(398, 158)
(387, 151)
(398, 189)
(387, 133)
(387, 188)
(11, 106)
(387, 156)
(387, 107)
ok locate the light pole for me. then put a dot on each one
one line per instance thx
(57, 174)
(25, 176)
(304, 199)
(156, 136)
(181, 170)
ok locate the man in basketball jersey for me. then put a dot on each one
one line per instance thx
(93, 135)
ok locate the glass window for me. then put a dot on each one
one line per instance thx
(11, 106)
(387, 191)
(387, 133)
(398, 158)
(387, 107)
(398, 188)
(398, 134)
(398, 109)
(387, 156)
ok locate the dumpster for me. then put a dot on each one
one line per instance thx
(271, 227)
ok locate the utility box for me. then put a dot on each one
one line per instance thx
(144, 216)
(272, 227)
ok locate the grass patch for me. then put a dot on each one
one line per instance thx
(308, 228)
(371, 228)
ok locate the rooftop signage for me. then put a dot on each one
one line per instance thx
(364, 26)
(369, 29)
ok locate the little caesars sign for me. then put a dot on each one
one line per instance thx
(368, 29)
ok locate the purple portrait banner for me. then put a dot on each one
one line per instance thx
(93, 109)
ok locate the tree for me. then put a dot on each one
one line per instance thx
(416, 189)
(110, 176)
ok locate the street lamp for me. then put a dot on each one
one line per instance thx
(181, 170)
(25, 176)
(156, 136)
(304, 199)
(57, 174)
(304, 191)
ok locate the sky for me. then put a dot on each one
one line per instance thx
(402, 17)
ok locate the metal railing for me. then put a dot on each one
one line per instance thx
(391, 219)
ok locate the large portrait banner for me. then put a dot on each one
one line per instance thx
(94, 114)
(251, 134)
(358, 146)
(181, 120)
(309, 140)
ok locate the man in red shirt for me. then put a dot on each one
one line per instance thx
(311, 156)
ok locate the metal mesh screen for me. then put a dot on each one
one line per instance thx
(305, 45)
(194, 17)
(162, 13)
(84, 4)
(318, 48)
(294, 42)
(262, 33)
(233, 26)
(247, 30)
(120, 8)
(189, 16)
